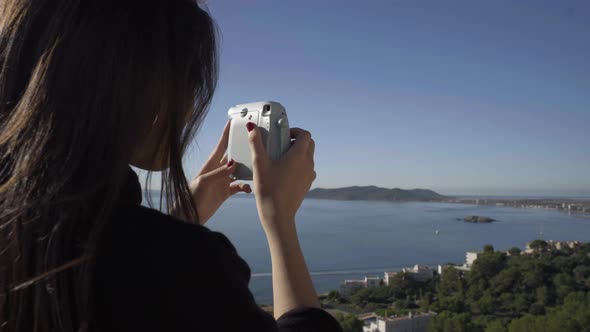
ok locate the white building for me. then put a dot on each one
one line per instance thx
(410, 323)
(563, 244)
(420, 272)
(368, 318)
(552, 245)
(387, 276)
(573, 207)
(347, 287)
(372, 281)
(470, 257)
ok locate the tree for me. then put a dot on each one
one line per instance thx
(573, 315)
(506, 280)
(538, 245)
(488, 248)
(485, 305)
(402, 285)
(371, 307)
(514, 251)
(564, 284)
(361, 297)
(487, 265)
(520, 304)
(387, 312)
(349, 323)
(403, 304)
(334, 296)
(526, 323)
(451, 282)
(454, 303)
(581, 272)
(495, 326)
(542, 295)
(505, 301)
(532, 280)
(378, 295)
(562, 263)
(451, 322)
(537, 309)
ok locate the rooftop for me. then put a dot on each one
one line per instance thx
(406, 317)
(367, 315)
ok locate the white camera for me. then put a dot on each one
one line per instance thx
(271, 119)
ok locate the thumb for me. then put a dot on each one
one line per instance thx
(240, 187)
(255, 141)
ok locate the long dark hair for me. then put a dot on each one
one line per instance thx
(81, 83)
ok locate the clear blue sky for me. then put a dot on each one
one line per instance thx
(464, 97)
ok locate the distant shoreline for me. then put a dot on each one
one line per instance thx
(379, 194)
(573, 206)
(583, 213)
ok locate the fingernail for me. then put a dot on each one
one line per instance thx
(230, 163)
(250, 126)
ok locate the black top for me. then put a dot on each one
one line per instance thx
(157, 273)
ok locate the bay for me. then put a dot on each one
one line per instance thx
(350, 239)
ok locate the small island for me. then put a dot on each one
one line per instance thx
(478, 219)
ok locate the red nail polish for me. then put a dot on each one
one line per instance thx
(230, 163)
(250, 126)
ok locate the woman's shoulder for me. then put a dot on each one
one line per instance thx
(156, 272)
(156, 241)
(146, 225)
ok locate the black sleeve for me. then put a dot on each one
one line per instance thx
(237, 273)
(161, 274)
(308, 319)
(222, 289)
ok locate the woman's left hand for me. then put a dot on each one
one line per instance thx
(213, 185)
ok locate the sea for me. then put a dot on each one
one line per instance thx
(350, 239)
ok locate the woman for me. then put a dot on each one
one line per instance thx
(86, 89)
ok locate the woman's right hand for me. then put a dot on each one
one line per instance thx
(281, 185)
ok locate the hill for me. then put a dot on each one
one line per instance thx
(374, 193)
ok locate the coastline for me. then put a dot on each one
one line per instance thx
(575, 207)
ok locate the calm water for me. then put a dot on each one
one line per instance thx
(345, 239)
